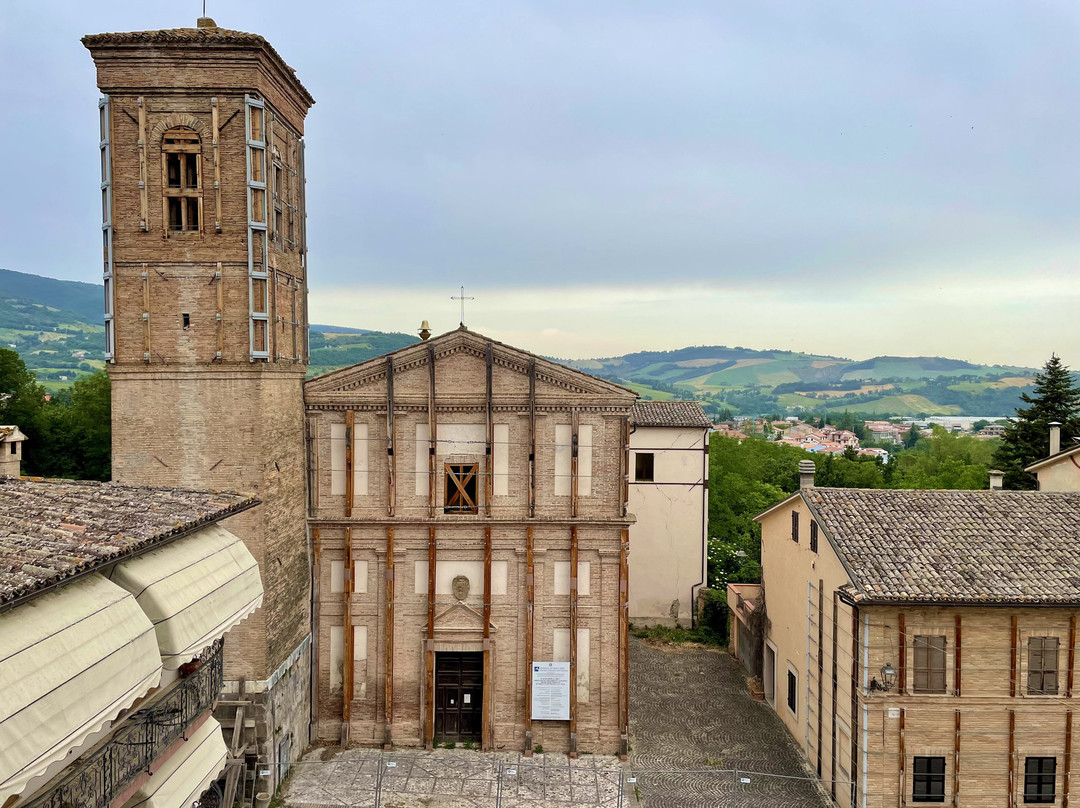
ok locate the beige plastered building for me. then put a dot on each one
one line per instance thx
(11, 441)
(1060, 471)
(669, 448)
(468, 508)
(920, 645)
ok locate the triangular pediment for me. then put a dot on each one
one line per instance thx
(461, 617)
(466, 353)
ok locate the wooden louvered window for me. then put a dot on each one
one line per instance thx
(813, 536)
(930, 663)
(795, 526)
(1042, 666)
(461, 488)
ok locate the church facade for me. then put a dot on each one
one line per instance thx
(468, 509)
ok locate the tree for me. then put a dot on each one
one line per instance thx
(69, 436)
(1027, 437)
(22, 401)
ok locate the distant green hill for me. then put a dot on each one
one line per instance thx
(56, 326)
(333, 349)
(84, 299)
(753, 382)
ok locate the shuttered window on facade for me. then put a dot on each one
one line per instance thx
(1042, 665)
(929, 663)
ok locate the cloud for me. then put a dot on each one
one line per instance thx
(682, 172)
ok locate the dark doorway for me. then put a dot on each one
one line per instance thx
(459, 696)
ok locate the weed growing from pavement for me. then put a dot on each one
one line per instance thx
(677, 635)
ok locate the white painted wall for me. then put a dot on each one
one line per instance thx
(667, 542)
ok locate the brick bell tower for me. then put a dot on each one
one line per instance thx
(205, 277)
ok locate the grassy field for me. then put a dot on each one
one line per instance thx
(645, 391)
(1000, 384)
(907, 404)
(799, 400)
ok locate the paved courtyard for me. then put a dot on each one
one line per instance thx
(698, 739)
(694, 724)
(451, 778)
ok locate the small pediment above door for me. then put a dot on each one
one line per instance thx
(461, 617)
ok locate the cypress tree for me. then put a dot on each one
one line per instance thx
(1027, 437)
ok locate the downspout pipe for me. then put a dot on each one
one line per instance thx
(704, 529)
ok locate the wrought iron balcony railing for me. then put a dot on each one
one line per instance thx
(97, 778)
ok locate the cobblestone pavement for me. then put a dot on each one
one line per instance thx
(693, 721)
(451, 778)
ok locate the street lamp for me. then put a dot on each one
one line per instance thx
(888, 679)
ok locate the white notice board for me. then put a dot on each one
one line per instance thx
(551, 691)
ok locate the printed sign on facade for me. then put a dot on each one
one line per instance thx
(551, 691)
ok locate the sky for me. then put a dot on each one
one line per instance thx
(605, 176)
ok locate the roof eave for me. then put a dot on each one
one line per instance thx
(1052, 458)
(152, 543)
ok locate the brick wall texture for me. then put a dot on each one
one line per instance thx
(191, 406)
(869, 746)
(460, 399)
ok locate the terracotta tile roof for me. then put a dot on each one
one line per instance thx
(669, 413)
(207, 36)
(52, 529)
(955, 546)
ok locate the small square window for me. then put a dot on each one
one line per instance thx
(1040, 774)
(643, 467)
(928, 782)
(461, 488)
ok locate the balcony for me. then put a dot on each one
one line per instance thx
(111, 766)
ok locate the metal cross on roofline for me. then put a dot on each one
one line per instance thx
(462, 298)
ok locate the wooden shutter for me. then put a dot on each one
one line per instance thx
(922, 666)
(795, 526)
(1050, 664)
(930, 663)
(1035, 665)
(1043, 665)
(937, 663)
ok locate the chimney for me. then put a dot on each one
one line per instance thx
(997, 479)
(806, 473)
(205, 22)
(1055, 437)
